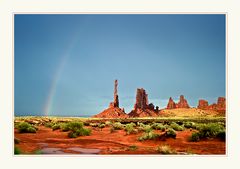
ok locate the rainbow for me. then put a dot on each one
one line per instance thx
(57, 75)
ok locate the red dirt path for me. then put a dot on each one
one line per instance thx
(114, 143)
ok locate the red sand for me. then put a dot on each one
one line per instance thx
(114, 143)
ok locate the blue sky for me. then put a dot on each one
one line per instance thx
(66, 64)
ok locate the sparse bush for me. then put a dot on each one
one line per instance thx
(93, 124)
(129, 128)
(75, 125)
(79, 132)
(133, 147)
(194, 137)
(210, 130)
(56, 126)
(176, 127)
(165, 149)
(64, 127)
(158, 126)
(171, 133)
(108, 123)
(24, 127)
(149, 136)
(17, 150)
(118, 126)
(48, 125)
(101, 125)
(222, 135)
(190, 125)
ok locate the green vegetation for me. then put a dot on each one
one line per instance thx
(165, 149)
(129, 128)
(158, 126)
(189, 124)
(101, 125)
(171, 133)
(56, 126)
(17, 150)
(149, 136)
(176, 127)
(211, 130)
(117, 126)
(24, 127)
(133, 147)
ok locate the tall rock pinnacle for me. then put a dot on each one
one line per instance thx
(115, 102)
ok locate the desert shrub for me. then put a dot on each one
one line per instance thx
(17, 150)
(194, 137)
(93, 124)
(101, 125)
(133, 147)
(158, 126)
(108, 123)
(117, 126)
(210, 130)
(75, 125)
(79, 132)
(165, 149)
(129, 128)
(149, 136)
(56, 126)
(171, 133)
(189, 125)
(176, 127)
(64, 127)
(48, 124)
(222, 135)
(24, 127)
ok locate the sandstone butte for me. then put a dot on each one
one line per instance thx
(143, 109)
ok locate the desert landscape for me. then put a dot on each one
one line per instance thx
(177, 129)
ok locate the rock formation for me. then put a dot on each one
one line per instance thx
(171, 104)
(141, 99)
(220, 106)
(141, 107)
(203, 104)
(182, 103)
(115, 102)
(113, 111)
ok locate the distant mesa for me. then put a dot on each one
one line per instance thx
(113, 111)
(220, 106)
(181, 104)
(203, 104)
(141, 107)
